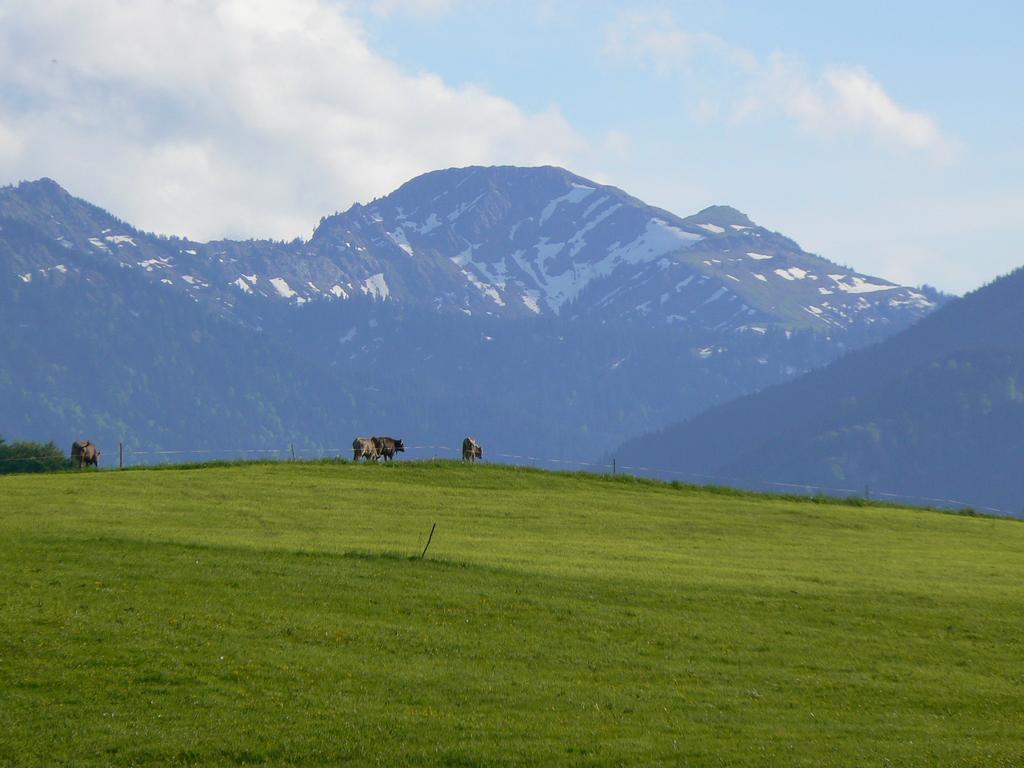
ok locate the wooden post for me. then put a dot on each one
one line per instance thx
(120, 455)
(292, 446)
(613, 466)
(431, 536)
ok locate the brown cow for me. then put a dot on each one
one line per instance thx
(364, 448)
(388, 447)
(84, 453)
(471, 450)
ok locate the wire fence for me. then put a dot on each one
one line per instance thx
(129, 457)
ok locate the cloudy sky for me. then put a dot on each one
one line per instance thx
(886, 136)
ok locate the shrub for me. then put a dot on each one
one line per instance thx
(31, 457)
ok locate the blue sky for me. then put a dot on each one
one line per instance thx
(886, 136)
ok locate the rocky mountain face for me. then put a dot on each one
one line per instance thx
(933, 415)
(593, 315)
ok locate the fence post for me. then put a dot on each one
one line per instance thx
(292, 446)
(120, 455)
(613, 466)
(429, 539)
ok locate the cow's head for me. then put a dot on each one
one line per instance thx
(399, 446)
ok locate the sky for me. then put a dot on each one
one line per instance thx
(884, 136)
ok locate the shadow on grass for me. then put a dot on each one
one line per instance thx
(388, 555)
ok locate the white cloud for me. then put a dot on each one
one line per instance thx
(652, 37)
(10, 142)
(236, 117)
(840, 99)
(388, 7)
(863, 101)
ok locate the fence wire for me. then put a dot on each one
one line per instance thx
(523, 459)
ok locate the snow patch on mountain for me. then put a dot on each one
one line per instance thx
(485, 288)
(712, 228)
(578, 241)
(283, 289)
(597, 204)
(658, 239)
(376, 286)
(463, 207)
(150, 264)
(576, 195)
(793, 273)
(398, 238)
(856, 284)
(913, 299)
(429, 225)
(716, 295)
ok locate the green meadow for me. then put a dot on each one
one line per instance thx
(280, 614)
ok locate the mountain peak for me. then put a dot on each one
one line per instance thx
(494, 176)
(721, 216)
(42, 188)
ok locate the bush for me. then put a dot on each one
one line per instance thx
(31, 457)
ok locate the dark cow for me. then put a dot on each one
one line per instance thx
(388, 447)
(84, 453)
(364, 448)
(471, 450)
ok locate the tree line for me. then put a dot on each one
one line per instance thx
(31, 457)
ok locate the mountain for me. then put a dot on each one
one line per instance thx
(503, 242)
(536, 309)
(934, 414)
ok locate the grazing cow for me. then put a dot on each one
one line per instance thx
(364, 448)
(388, 447)
(84, 453)
(471, 450)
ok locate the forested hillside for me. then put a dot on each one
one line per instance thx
(935, 411)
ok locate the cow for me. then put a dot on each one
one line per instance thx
(388, 447)
(84, 453)
(364, 447)
(471, 450)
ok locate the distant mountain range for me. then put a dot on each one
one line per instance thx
(501, 242)
(934, 414)
(539, 310)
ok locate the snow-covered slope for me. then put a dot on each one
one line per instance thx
(514, 241)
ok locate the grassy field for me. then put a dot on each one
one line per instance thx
(272, 614)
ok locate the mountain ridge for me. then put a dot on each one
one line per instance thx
(504, 241)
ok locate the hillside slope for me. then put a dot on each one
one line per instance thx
(935, 411)
(270, 614)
